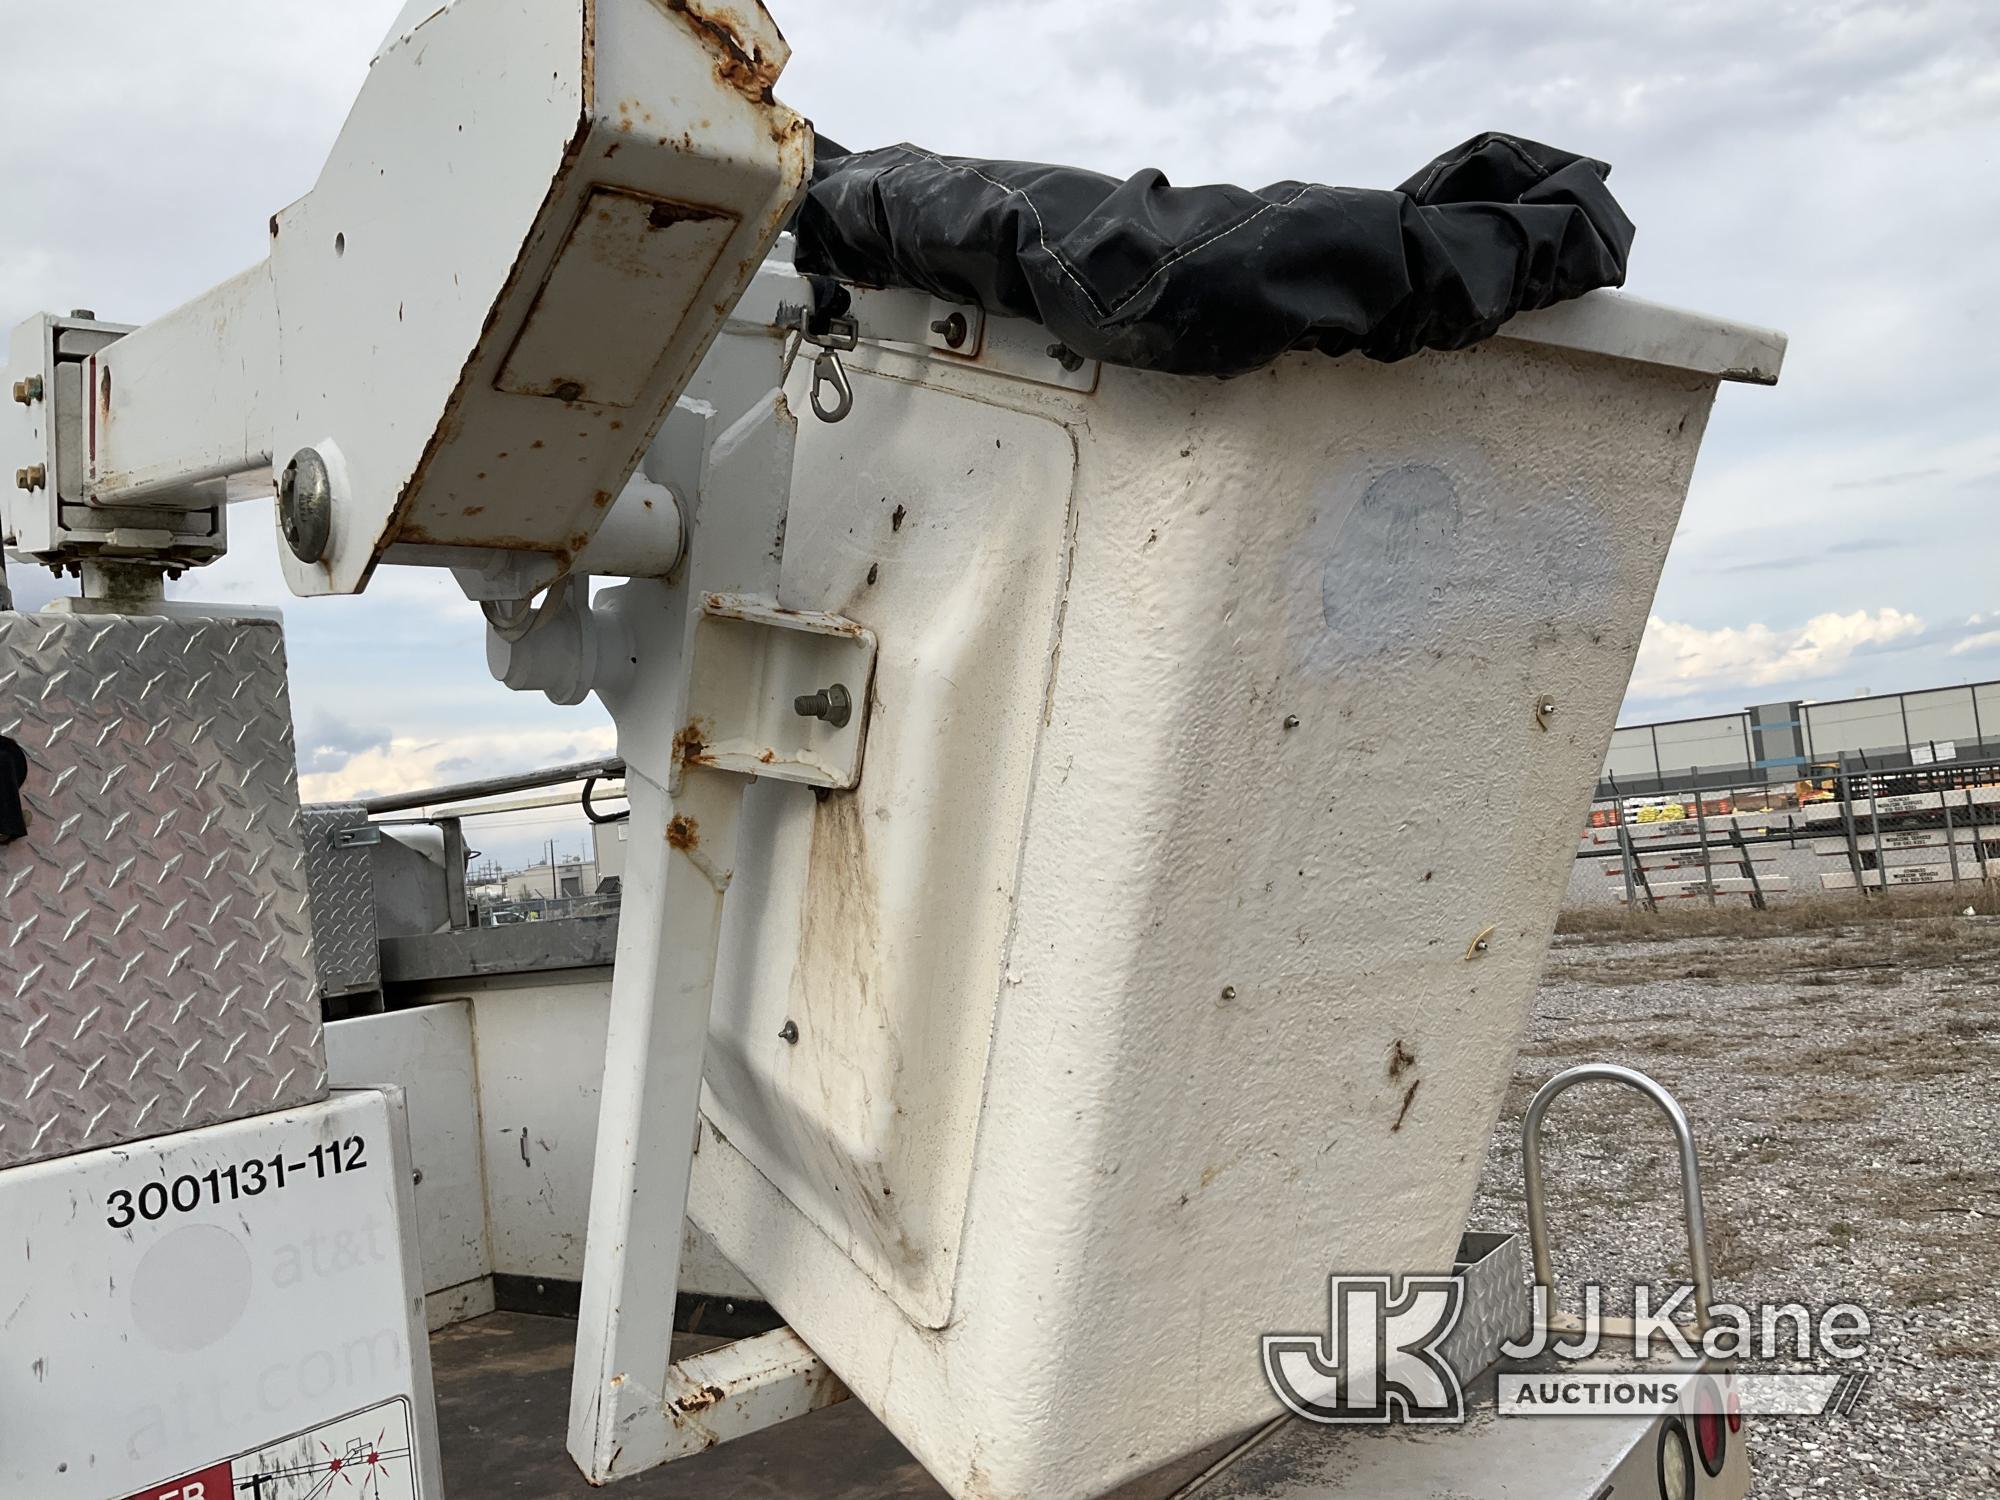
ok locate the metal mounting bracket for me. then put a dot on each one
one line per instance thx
(722, 685)
(753, 662)
(736, 1389)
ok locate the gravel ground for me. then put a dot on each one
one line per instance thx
(1844, 1084)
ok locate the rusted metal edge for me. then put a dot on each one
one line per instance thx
(746, 1386)
(757, 611)
(745, 62)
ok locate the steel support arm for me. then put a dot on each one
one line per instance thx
(534, 222)
(683, 853)
(186, 399)
(704, 689)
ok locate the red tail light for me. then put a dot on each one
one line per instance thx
(1711, 1430)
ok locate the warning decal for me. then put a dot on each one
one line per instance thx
(365, 1456)
(216, 1482)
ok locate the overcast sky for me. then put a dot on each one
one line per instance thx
(1822, 166)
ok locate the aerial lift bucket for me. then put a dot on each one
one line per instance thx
(1225, 750)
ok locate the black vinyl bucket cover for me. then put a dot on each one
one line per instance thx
(1221, 280)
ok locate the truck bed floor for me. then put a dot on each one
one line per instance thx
(503, 1402)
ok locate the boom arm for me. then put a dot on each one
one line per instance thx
(533, 224)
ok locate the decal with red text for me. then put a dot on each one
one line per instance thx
(365, 1456)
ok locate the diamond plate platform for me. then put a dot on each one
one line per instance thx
(347, 945)
(155, 956)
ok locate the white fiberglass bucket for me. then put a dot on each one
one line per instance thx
(1228, 749)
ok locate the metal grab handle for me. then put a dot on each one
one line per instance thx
(1531, 1171)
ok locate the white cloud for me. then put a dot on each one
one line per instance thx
(1743, 138)
(1676, 660)
(1986, 640)
(413, 764)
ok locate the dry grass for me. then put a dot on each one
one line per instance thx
(1878, 945)
(1969, 1346)
(1736, 918)
(1841, 1107)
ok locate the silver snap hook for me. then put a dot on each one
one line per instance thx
(828, 370)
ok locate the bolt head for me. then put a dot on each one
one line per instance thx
(952, 329)
(831, 705)
(305, 506)
(789, 1033)
(28, 391)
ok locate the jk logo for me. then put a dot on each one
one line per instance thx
(1379, 1361)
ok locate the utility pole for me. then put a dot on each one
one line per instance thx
(555, 880)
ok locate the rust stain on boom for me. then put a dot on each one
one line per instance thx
(691, 745)
(742, 64)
